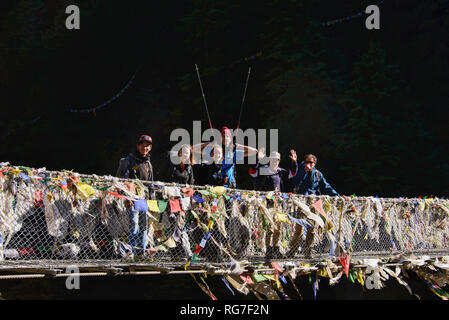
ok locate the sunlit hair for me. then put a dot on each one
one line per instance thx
(215, 146)
(191, 157)
(307, 156)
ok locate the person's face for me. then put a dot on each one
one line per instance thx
(310, 164)
(217, 155)
(144, 148)
(274, 163)
(184, 154)
(226, 139)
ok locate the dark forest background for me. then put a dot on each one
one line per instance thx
(371, 104)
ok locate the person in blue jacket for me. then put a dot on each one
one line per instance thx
(232, 154)
(309, 180)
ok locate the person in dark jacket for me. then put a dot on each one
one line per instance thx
(211, 172)
(137, 165)
(308, 180)
(271, 177)
(182, 173)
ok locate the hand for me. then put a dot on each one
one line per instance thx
(293, 156)
(261, 153)
(128, 204)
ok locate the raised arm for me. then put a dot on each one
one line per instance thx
(247, 151)
(294, 164)
(199, 148)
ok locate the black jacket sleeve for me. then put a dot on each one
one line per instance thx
(182, 176)
(123, 168)
(151, 172)
(293, 169)
(191, 179)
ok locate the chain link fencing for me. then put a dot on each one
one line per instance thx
(48, 217)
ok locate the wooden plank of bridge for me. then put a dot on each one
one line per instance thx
(110, 271)
(45, 271)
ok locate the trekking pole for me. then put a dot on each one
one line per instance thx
(243, 100)
(202, 92)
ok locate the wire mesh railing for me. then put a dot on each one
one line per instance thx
(64, 216)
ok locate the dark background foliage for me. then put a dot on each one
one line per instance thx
(372, 105)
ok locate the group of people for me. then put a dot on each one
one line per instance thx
(220, 169)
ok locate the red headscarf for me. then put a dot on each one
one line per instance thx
(225, 131)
